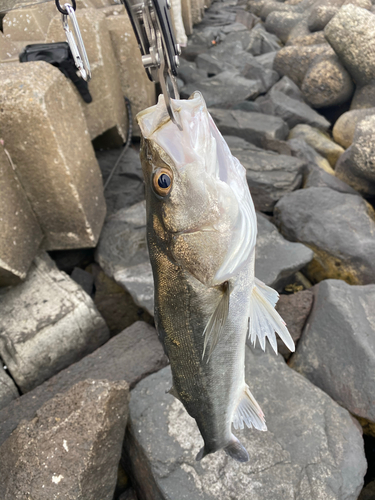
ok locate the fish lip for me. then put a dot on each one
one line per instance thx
(193, 230)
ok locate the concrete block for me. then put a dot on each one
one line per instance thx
(187, 16)
(29, 24)
(45, 132)
(135, 84)
(20, 232)
(179, 29)
(196, 11)
(8, 51)
(46, 324)
(107, 110)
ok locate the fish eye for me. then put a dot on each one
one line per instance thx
(162, 181)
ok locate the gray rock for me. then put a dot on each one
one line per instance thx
(368, 492)
(269, 175)
(357, 164)
(274, 6)
(8, 390)
(289, 88)
(320, 16)
(255, 71)
(292, 111)
(83, 279)
(47, 323)
(337, 348)
(61, 453)
(294, 309)
(262, 42)
(189, 73)
(215, 89)
(276, 259)
(302, 150)
(139, 282)
(253, 127)
(351, 34)
(364, 97)
(129, 356)
(327, 83)
(343, 131)
(317, 177)
(312, 450)
(281, 23)
(212, 64)
(247, 106)
(339, 227)
(126, 186)
(267, 59)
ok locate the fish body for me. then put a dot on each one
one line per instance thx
(201, 232)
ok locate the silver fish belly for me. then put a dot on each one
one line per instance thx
(201, 230)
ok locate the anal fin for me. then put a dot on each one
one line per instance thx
(215, 325)
(174, 393)
(249, 412)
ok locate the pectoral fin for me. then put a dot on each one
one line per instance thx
(249, 412)
(215, 326)
(264, 320)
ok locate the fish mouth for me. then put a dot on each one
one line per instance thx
(193, 230)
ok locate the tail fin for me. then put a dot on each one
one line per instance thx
(235, 450)
(201, 454)
(264, 320)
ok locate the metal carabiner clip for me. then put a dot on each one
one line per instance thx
(77, 47)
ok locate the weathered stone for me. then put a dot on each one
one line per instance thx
(248, 19)
(8, 390)
(276, 259)
(126, 187)
(344, 128)
(107, 109)
(253, 127)
(61, 453)
(368, 492)
(317, 177)
(320, 16)
(269, 175)
(302, 150)
(289, 88)
(339, 227)
(253, 70)
(312, 450)
(292, 111)
(20, 232)
(189, 72)
(351, 34)
(316, 38)
(337, 348)
(215, 89)
(300, 30)
(84, 279)
(282, 23)
(129, 356)
(357, 164)
(267, 59)
(196, 11)
(187, 16)
(294, 309)
(55, 161)
(247, 106)
(274, 6)
(135, 84)
(8, 51)
(213, 64)
(29, 24)
(319, 141)
(47, 323)
(262, 42)
(327, 83)
(364, 97)
(294, 61)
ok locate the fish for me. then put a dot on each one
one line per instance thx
(201, 234)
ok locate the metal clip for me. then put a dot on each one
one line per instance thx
(77, 48)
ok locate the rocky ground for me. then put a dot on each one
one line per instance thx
(84, 413)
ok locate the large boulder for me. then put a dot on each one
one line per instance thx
(317, 177)
(320, 16)
(281, 23)
(339, 227)
(364, 97)
(304, 151)
(71, 448)
(337, 348)
(312, 450)
(344, 128)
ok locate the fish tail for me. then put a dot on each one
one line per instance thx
(201, 454)
(236, 451)
(264, 320)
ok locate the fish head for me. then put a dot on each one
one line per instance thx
(200, 212)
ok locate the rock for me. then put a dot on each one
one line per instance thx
(303, 151)
(339, 227)
(212, 64)
(337, 348)
(28, 24)
(215, 89)
(129, 356)
(250, 68)
(317, 177)
(248, 19)
(351, 34)
(127, 186)
(289, 88)
(253, 127)
(47, 323)
(67, 260)
(55, 164)
(186, 16)
(319, 141)
(356, 166)
(189, 72)
(134, 81)
(269, 175)
(247, 106)
(20, 232)
(8, 51)
(316, 38)
(262, 42)
(364, 97)
(84, 280)
(312, 449)
(266, 59)
(294, 309)
(282, 23)
(107, 109)
(327, 83)
(61, 452)
(196, 11)
(320, 16)
(274, 6)
(294, 61)
(276, 259)
(292, 111)
(344, 128)
(8, 390)
(368, 493)
(138, 281)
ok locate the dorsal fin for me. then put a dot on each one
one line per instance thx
(215, 326)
